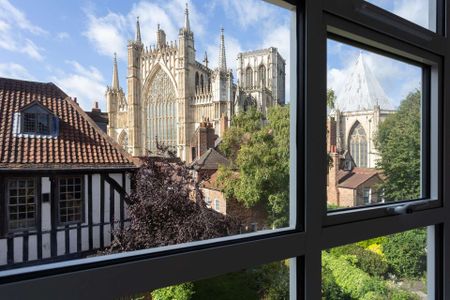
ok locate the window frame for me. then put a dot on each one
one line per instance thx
(7, 228)
(312, 234)
(58, 200)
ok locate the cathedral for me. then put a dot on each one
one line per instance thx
(360, 107)
(170, 94)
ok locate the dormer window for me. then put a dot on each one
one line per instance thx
(35, 120)
(36, 123)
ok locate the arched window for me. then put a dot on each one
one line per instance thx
(161, 113)
(201, 83)
(196, 81)
(249, 77)
(262, 75)
(358, 145)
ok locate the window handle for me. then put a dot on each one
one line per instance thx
(407, 208)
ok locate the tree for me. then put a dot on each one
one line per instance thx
(331, 98)
(166, 207)
(398, 142)
(261, 160)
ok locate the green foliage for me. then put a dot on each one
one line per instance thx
(403, 295)
(352, 280)
(272, 280)
(269, 282)
(398, 141)
(331, 98)
(241, 125)
(183, 291)
(237, 285)
(406, 253)
(261, 157)
(366, 260)
(330, 289)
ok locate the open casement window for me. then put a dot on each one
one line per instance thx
(327, 39)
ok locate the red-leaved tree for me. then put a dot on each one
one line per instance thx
(167, 207)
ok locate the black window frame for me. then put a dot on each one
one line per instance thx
(7, 228)
(36, 130)
(58, 200)
(319, 230)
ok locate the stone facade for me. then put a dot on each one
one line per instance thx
(169, 93)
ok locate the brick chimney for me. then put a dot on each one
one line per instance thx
(96, 109)
(203, 139)
(331, 134)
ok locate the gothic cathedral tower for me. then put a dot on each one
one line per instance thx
(170, 93)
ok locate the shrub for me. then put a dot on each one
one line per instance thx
(405, 252)
(183, 291)
(366, 260)
(352, 280)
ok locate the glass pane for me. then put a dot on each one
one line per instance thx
(389, 267)
(421, 12)
(374, 128)
(212, 124)
(266, 282)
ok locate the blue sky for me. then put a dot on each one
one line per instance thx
(396, 78)
(71, 43)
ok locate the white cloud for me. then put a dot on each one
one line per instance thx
(15, 16)
(110, 33)
(107, 34)
(13, 70)
(63, 35)
(396, 78)
(13, 26)
(416, 11)
(85, 83)
(32, 50)
(248, 12)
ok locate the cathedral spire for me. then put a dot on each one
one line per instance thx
(205, 60)
(222, 57)
(138, 31)
(187, 26)
(115, 79)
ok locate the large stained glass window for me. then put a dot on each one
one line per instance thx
(161, 112)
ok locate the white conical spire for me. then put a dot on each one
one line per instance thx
(187, 26)
(138, 31)
(361, 90)
(115, 79)
(222, 57)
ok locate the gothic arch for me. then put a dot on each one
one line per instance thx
(196, 82)
(358, 145)
(262, 75)
(249, 77)
(151, 76)
(202, 83)
(159, 111)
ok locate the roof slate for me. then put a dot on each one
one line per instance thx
(354, 178)
(80, 143)
(210, 160)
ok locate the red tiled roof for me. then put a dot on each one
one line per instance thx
(79, 144)
(354, 178)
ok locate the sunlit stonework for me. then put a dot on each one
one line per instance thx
(169, 93)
